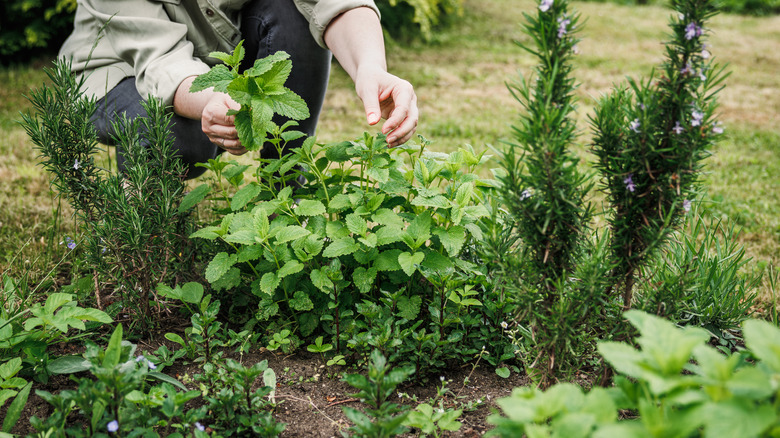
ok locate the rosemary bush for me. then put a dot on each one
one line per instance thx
(650, 140)
(134, 235)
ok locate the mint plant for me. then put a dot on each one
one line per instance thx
(118, 399)
(259, 90)
(382, 418)
(676, 384)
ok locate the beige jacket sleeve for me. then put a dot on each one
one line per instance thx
(320, 13)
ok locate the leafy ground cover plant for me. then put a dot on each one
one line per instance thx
(368, 234)
(675, 383)
(119, 400)
(133, 232)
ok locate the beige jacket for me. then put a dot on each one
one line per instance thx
(162, 42)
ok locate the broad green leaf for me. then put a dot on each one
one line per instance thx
(289, 268)
(310, 207)
(337, 152)
(448, 420)
(219, 265)
(291, 232)
(245, 195)
(420, 228)
(409, 261)
(290, 105)
(409, 307)
(356, 224)
(464, 193)
(173, 337)
(218, 77)
(301, 302)
(381, 175)
(452, 239)
(388, 260)
(15, 409)
(338, 203)
(192, 292)
(269, 282)
(364, 278)
(55, 301)
(10, 368)
(340, 247)
(6, 394)
(502, 372)
(437, 201)
(389, 234)
(336, 230)
(265, 64)
(114, 348)
(763, 340)
(209, 233)
(321, 281)
(192, 198)
(385, 216)
(273, 80)
(737, 418)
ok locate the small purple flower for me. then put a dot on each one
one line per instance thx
(687, 205)
(698, 116)
(575, 49)
(545, 5)
(525, 195)
(705, 54)
(113, 426)
(692, 30)
(635, 125)
(149, 363)
(199, 426)
(716, 128)
(76, 164)
(687, 70)
(71, 244)
(702, 76)
(562, 24)
(629, 182)
(677, 128)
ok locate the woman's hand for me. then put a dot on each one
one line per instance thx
(211, 109)
(218, 126)
(389, 97)
(355, 38)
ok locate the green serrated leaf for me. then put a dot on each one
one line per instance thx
(310, 207)
(290, 105)
(245, 195)
(218, 77)
(364, 278)
(340, 247)
(192, 198)
(452, 239)
(269, 282)
(409, 262)
(409, 307)
(290, 233)
(301, 302)
(321, 281)
(289, 268)
(388, 260)
(356, 224)
(219, 266)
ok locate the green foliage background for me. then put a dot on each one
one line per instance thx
(29, 28)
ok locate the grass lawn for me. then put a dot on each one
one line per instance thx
(460, 77)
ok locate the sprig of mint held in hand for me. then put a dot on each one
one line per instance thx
(259, 90)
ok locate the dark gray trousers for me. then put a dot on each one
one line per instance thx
(267, 26)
